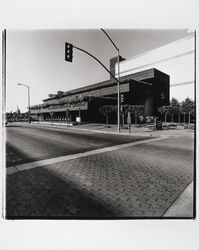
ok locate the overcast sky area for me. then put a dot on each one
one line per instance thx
(36, 58)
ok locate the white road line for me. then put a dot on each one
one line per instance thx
(41, 163)
(11, 170)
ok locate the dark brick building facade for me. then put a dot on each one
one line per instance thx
(149, 88)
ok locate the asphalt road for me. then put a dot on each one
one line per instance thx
(141, 180)
(26, 143)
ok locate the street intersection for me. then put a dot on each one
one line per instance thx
(71, 173)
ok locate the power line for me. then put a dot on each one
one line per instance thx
(181, 83)
(159, 61)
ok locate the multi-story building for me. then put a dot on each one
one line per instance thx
(149, 88)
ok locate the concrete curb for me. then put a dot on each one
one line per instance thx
(93, 130)
(183, 205)
(147, 133)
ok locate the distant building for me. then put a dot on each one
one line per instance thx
(148, 87)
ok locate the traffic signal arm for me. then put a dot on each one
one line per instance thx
(98, 62)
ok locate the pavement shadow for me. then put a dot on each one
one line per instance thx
(13, 126)
(14, 156)
(40, 194)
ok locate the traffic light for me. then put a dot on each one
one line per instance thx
(121, 98)
(68, 52)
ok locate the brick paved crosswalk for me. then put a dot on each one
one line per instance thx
(136, 181)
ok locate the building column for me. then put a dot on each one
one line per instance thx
(148, 106)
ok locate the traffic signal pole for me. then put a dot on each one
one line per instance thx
(118, 74)
(69, 58)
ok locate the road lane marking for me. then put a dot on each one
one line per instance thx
(41, 163)
(11, 170)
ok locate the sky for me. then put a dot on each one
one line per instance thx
(176, 59)
(36, 58)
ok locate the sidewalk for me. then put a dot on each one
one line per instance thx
(183, 206)
(177, 132)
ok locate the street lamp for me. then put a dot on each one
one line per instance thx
(28, 87)
(118, 84)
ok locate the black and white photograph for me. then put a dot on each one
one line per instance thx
(99, 123)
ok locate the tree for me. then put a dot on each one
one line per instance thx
(193, 113)
(165, 110)
(18, 113)
(60, 93)
(106, 110)
(136, 110)
(51, 95)
(51, 115)
(174, 108)
(180, 112)
(124, 111)
(184, 110)
(188, 107)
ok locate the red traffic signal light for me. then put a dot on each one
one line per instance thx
(68, 52)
